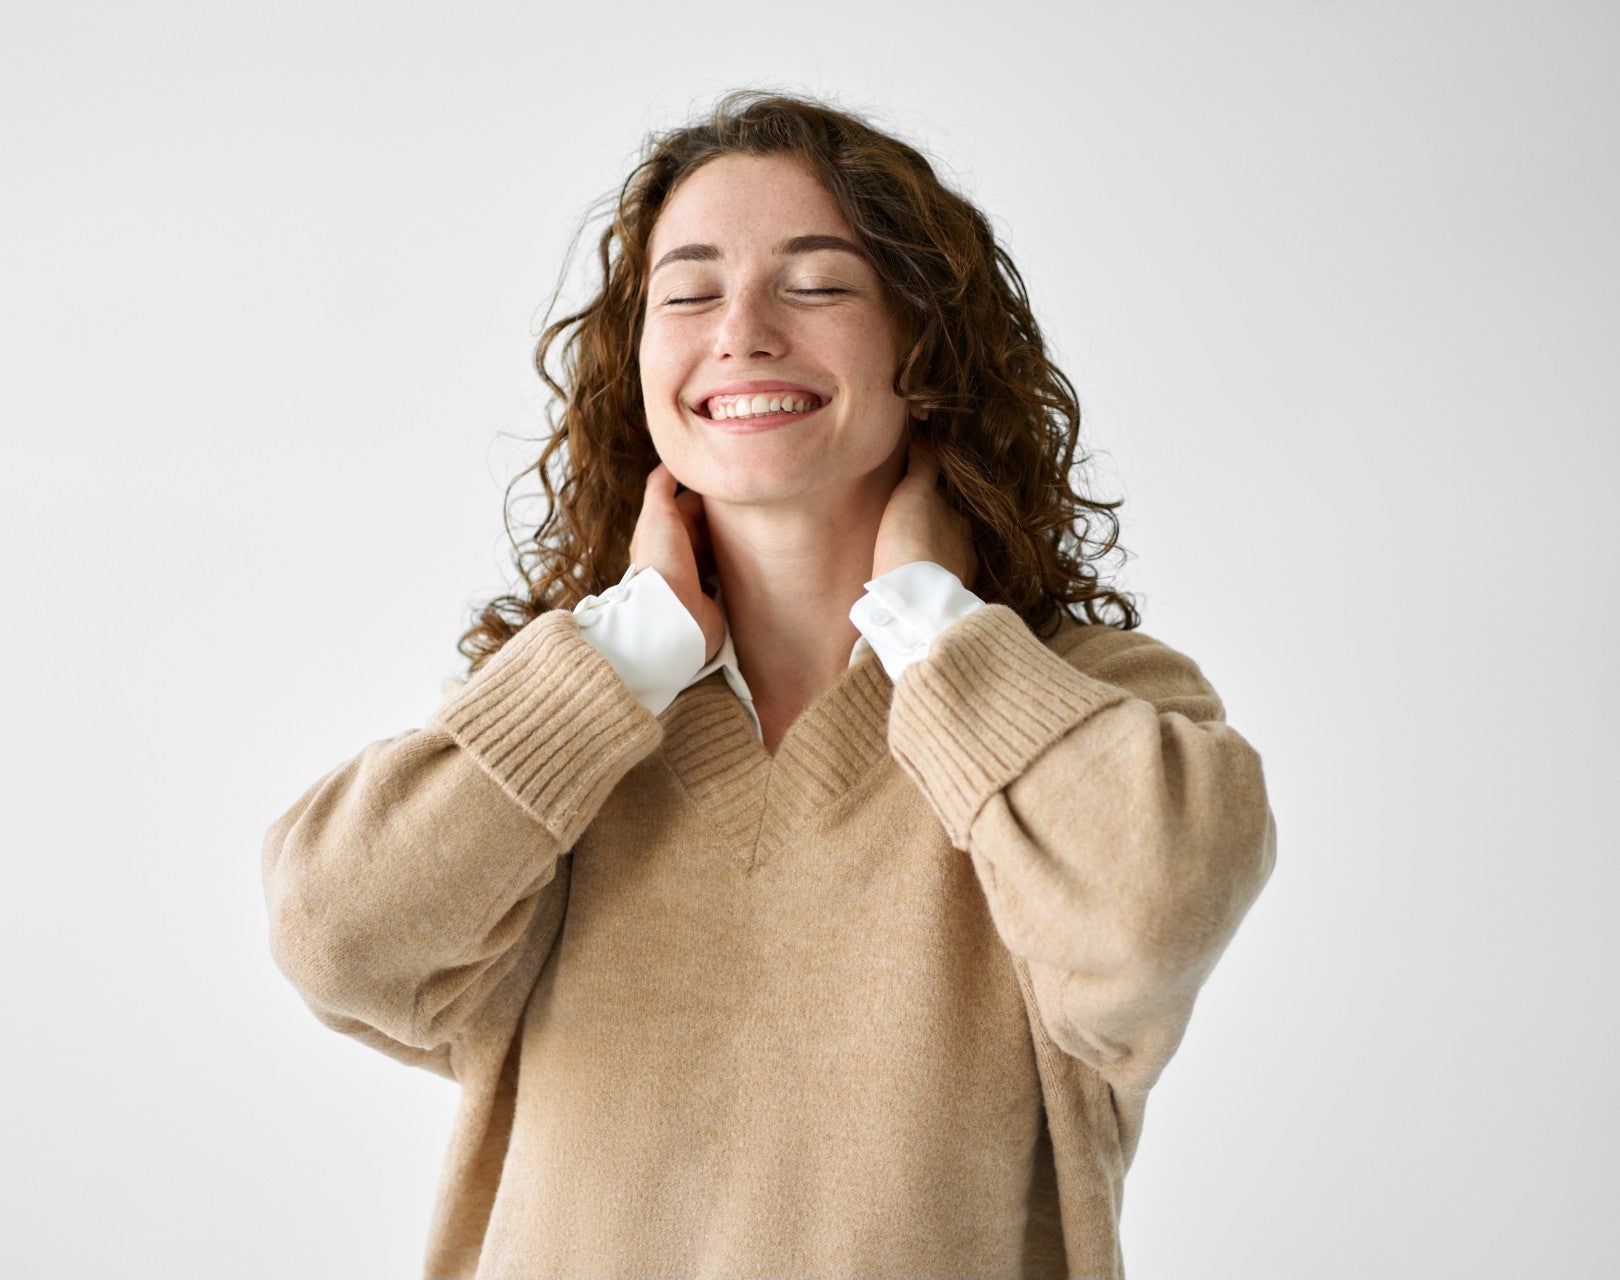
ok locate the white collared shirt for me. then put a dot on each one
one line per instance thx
(648, 637)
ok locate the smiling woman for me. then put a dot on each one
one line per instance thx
(865, 213)
(807, 878)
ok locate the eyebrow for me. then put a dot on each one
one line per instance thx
(798, 244)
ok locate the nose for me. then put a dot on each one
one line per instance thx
(749, 326)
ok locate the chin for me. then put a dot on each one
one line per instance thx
(750, 490)
(733, 480)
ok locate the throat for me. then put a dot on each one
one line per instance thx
(771, 734)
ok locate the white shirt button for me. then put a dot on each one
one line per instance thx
(881, 617)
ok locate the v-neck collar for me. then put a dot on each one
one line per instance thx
(712, 747)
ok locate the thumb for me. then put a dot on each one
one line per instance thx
(921, 460)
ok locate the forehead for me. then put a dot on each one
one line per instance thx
(741, 201)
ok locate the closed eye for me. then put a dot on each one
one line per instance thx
(672, 302)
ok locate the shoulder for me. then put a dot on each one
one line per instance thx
(1141, 664)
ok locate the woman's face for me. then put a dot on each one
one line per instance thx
(749, 294)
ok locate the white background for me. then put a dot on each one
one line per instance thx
(1338, 287)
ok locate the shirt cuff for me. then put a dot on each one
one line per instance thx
(646, 634)
(904, 610)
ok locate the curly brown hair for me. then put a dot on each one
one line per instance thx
(1003, 418)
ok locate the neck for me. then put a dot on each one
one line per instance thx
(789, 576)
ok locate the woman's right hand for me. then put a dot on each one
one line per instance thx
(672, 536)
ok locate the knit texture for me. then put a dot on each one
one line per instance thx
(886, 1003)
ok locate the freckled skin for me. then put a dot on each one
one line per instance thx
(751, 320)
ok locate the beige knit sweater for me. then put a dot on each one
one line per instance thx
(888, 1003)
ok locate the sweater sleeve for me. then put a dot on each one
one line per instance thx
(1119, 828)
(413, 891)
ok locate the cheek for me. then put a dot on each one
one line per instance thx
(647, 365)
(876, 358)
(656, 350)
(663, 415)
(663, 374)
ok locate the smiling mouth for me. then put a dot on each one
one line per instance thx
(773, 406)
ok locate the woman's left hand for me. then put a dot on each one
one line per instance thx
(918, 524)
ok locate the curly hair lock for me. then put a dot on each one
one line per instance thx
(1004, 420)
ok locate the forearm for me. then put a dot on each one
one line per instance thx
(1119, 828)
(403, 885)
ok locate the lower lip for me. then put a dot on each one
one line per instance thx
(760, 421)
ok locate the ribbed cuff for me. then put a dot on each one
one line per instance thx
(551, 721)
(985, 703)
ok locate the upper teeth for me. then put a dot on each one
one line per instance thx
(748, 406)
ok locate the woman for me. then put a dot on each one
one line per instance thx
(798, 884)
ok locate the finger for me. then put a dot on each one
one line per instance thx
(691, 501)
(690, 508)
(660, 492)
(922, 461)
(661, 480)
